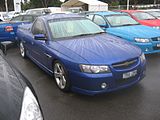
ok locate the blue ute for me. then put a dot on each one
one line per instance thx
(80, 55)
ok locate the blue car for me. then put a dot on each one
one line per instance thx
(8, 29)
(123, 26)
(80, 55)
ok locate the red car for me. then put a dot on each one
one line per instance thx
(143, 18)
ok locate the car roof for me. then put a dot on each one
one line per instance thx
(28, 15)
(131, 11)
(37, 9)
(60, 16)
(108, 13)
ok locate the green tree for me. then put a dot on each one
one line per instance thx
(44, 3)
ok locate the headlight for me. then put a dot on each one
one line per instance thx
(157, 27)
(142, 40)
(142, 58)
(30, 108)
(95, 69)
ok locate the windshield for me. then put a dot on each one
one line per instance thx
(143, 16)
(72, 28)
(121, 20)
(154, 13)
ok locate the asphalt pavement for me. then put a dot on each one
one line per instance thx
(140, 102)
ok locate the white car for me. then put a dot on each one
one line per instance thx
(12, 14)
(38, 11)
(3, 16)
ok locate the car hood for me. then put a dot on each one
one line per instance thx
(136, 31)
(101, 49)
(151, 23)
(11, 93)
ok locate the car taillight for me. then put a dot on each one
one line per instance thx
(9, 28)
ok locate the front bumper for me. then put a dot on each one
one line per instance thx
(90, 84)
(149, 48)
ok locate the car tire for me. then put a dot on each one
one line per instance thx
(60, 76)
(22, 49)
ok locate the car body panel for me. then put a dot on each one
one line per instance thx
(12, 87)
(150, 23)
(136, 31)
(89, 48)
(11, 93)
(8, 36)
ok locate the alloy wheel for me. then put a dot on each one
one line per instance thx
(22, 49)
(59, 75)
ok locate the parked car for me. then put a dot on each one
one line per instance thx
(80, 55)
(8, 29)
(3, 16)
(18, 98)
(144, 18)
(24, 18)
(39, 11)
(123, 26)
(154, 12)
(12, 14)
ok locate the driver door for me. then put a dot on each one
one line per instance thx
(39, 47)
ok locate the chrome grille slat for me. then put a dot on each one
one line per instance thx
(125, 64)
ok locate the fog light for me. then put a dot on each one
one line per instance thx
(103, 85)
(147, 49)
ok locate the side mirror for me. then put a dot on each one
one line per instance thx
(40, 37)
(104, 27)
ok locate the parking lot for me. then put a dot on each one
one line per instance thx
(140, 102)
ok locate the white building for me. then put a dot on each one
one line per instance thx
(87, 5)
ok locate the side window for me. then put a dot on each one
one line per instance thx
(89, 17)
(99, 20)
(28, 18)
(38, 28)
(18, 18)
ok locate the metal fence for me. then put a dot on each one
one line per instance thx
(135, 7)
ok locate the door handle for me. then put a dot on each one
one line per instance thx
(49, 56)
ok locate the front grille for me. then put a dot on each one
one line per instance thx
(156, 39)
(125, 64)
(156, 48)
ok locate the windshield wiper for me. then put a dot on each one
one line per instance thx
(88, 34)
(150, 19)
(130, 24)
(98, 33)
